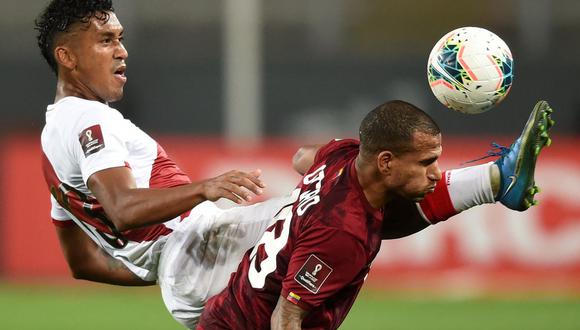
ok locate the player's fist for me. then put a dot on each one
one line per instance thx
(236, 186)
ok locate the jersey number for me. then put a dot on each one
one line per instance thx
(273, 244)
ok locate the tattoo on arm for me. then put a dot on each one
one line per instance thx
(287, 316)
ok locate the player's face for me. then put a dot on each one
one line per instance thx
(415, 173)
(99, 73)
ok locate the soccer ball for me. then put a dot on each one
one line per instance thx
(470, 70)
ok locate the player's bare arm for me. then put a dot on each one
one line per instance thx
(130, 207)
(304, 158)
(89, 262)
(287, 316)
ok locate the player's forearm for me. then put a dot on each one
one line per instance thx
(287, 316)
(143, 207)
(286, 322)
(130, 207)
(89, 262)
(105, 269)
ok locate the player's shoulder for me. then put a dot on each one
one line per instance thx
(336, 144)
(76, 114)
(70, 117)
(338, 215)
(336, 147)
(332, 230)
(343, 204)
(75, 108)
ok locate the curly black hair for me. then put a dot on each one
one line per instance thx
(59, 15)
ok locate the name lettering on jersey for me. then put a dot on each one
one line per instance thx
(313, 274)
(91, 140)
(311, 197)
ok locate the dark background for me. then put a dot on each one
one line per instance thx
(324, 63)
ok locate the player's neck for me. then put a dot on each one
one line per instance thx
(371, 183)
(65, 88)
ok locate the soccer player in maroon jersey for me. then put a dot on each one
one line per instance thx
(306, 271)
(118, 201)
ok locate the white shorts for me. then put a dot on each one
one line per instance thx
(204, 249)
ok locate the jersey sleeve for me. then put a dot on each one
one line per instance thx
(59, 217)
(437, 206)
(99, 142)
(334, 146)
(324, 261)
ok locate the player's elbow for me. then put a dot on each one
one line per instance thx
(79, 275)
(123, 213)
(300, 161)
(124, 219)
(79, 271)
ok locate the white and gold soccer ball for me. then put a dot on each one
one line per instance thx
(470, 70)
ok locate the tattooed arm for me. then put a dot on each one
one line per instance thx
(287, 316)
(89, 262)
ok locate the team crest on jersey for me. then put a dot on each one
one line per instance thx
(91, 140)
(313, 274)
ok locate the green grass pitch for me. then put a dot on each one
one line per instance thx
(94, 307)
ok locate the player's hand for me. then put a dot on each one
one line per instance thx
(236, 186)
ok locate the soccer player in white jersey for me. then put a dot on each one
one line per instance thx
(120, 206)
(125, 214)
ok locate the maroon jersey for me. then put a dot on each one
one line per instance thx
(316, 253)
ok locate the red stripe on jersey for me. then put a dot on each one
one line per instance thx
(146, 234)
(437, 206)
(63, 224)
(165, 173)
(184, 215)
(88, 210)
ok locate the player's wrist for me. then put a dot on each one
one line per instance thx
(199, 192)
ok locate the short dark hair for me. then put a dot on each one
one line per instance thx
(391, 126)
(59, 15)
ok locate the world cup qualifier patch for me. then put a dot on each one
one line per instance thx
(91, 140)
(313, 274)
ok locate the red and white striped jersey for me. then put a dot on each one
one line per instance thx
(82, 137)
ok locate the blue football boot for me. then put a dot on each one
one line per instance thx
(518, 162)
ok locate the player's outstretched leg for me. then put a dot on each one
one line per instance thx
(517, 164)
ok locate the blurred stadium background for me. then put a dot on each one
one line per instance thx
(241, 83)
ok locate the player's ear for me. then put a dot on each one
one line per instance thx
(384, 162)
(65, 57)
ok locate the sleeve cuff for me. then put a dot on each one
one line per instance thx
(63, 223)
(87, 174)
(296, 300)
(437, 206)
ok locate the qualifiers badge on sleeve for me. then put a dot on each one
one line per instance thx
(313, 274)
(91, 140)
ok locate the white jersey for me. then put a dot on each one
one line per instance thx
(82, 137)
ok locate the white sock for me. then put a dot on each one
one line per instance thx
(470, 186)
